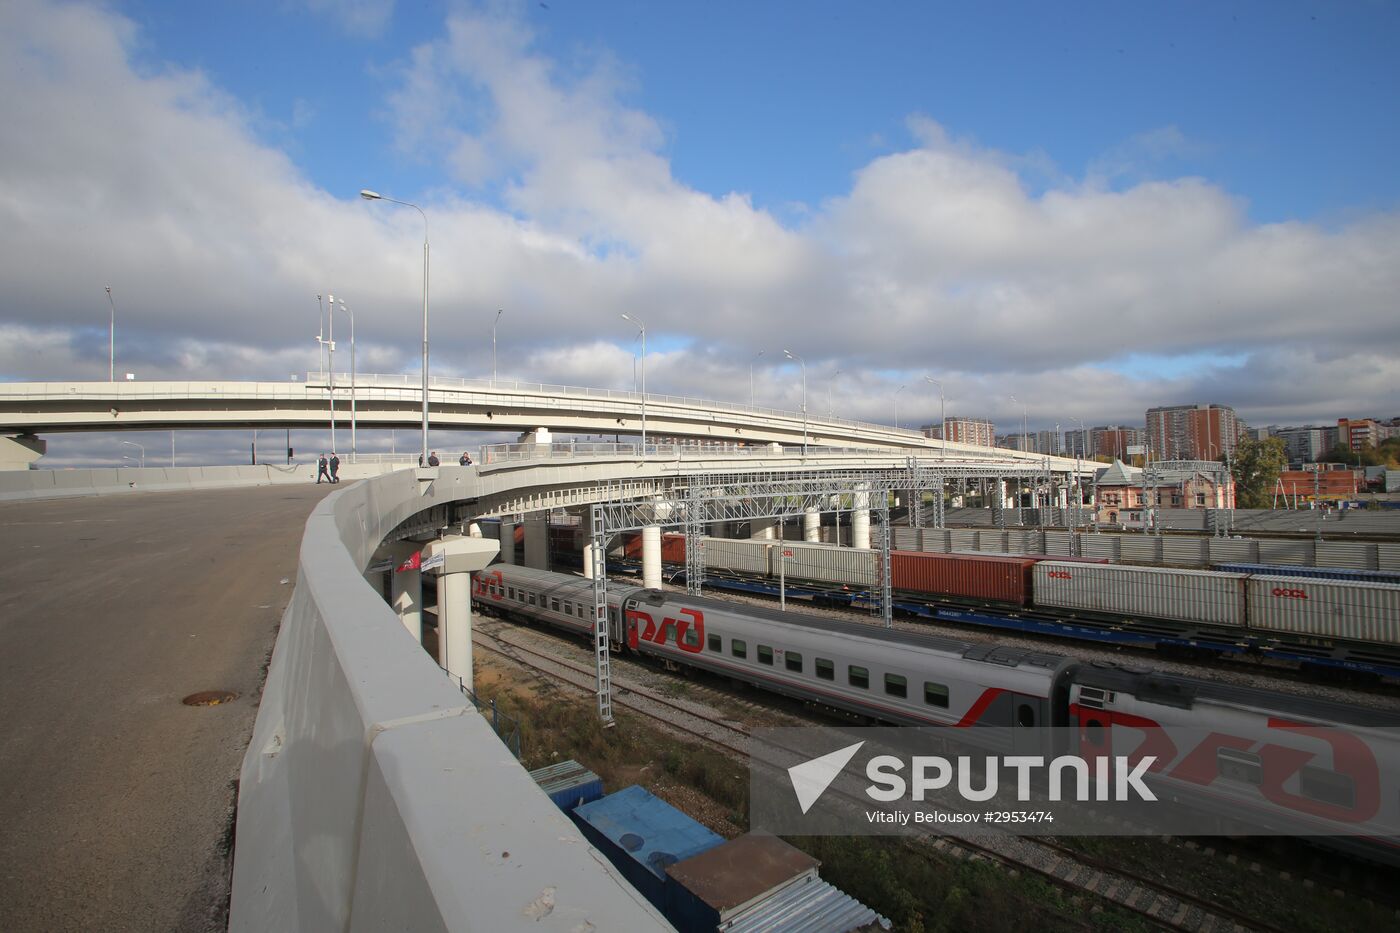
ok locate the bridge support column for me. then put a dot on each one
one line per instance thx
(651, 557)
(762, 529)
(18, 453)
(811, 525)
(507, 542)
(537, 540)
(588, 561)
(406, 591)
(461, 556)
(860, 521)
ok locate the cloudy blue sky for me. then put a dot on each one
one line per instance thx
(1096, 207)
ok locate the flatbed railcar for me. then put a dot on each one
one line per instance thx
(927, 680)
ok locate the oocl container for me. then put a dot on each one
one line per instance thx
(1196, 596)
(1331, 609)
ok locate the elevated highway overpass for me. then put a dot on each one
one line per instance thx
(34, 409)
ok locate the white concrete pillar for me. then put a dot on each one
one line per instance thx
(811, 525)
(454, 595)
(588, 560)
(761, 529)
(407, 593)
(507, 542)
(860, 521)
(537, 540)
(474, 531)
(651, 557)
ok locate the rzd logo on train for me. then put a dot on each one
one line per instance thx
(692, 620)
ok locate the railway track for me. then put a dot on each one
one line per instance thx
(1152, 899)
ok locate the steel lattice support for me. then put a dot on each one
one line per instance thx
(882, 567)
(600, 616)
(694, 543)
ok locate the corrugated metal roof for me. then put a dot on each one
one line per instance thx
(650, 830)
(809, 906)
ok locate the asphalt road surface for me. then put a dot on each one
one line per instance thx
(116, 801)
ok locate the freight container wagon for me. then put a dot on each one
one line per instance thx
(1340, 574)
(672, 547)
(1198, 596)
(965, 576)
(737, 554)
(1325, 609)
(822, 563)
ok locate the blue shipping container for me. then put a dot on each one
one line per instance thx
(641, 835)
(568, 784)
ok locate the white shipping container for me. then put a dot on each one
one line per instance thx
(1200, 596)
(825, 563)
(737, 554)
(1365, 612)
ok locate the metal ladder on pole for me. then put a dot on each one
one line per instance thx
(694, 541)
(600, 616)
(882, 568)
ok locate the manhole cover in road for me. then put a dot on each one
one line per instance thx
(209, 698)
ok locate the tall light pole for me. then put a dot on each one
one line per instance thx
(347, 309)
(330, 362)
(1025, 417)
(111, 339)
(1078, 468)
(751, 362)
(140, 448)
(942, 417)
(830, 407)
(793, 356)
(643, 328)
(494, 323)
(896, 405)
(321, 335)
(376, 196)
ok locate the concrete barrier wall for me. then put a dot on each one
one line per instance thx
(52, 484)
(373, 796)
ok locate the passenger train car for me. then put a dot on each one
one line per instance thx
(1259, 753)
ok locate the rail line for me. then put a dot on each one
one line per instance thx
(1157, 902)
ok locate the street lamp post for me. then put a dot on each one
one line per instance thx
(111, 339)
(793, 356)
(348, 310)
(751, 362)
(830, 406)
(330, 362)
(643, 329)
(140, 448)
(896, 405)
(942, 417)
(1078, 467)
(1025, 418)
(321, 335)
(376, 196)
(499, 312)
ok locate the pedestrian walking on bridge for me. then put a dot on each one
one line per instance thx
(321, 471)
(335, 468)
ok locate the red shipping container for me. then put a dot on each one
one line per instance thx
(993, 578)
(672, 547)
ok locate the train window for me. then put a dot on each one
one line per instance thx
(1025, 716)
(716, 643)
(1235, 765)
(858, 677)
(510, 591)
(554, 605)
(738, 648)
(793, 661)
(935, 694)
(691, 638)
(896, 685)
(1327, 786)
(765, 655)
(568, 609)
(825, 669)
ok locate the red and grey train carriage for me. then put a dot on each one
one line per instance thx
(1223, 751)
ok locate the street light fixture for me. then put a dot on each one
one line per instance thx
(376, 196)
(348, 310)
(751, 362)
(896, 405)
(112, 339)
(793, 356)
(140, 448)
(330, 361)
(942, 417)
(643, 328)
(499, 312)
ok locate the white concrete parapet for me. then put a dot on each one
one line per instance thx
(373, 796)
